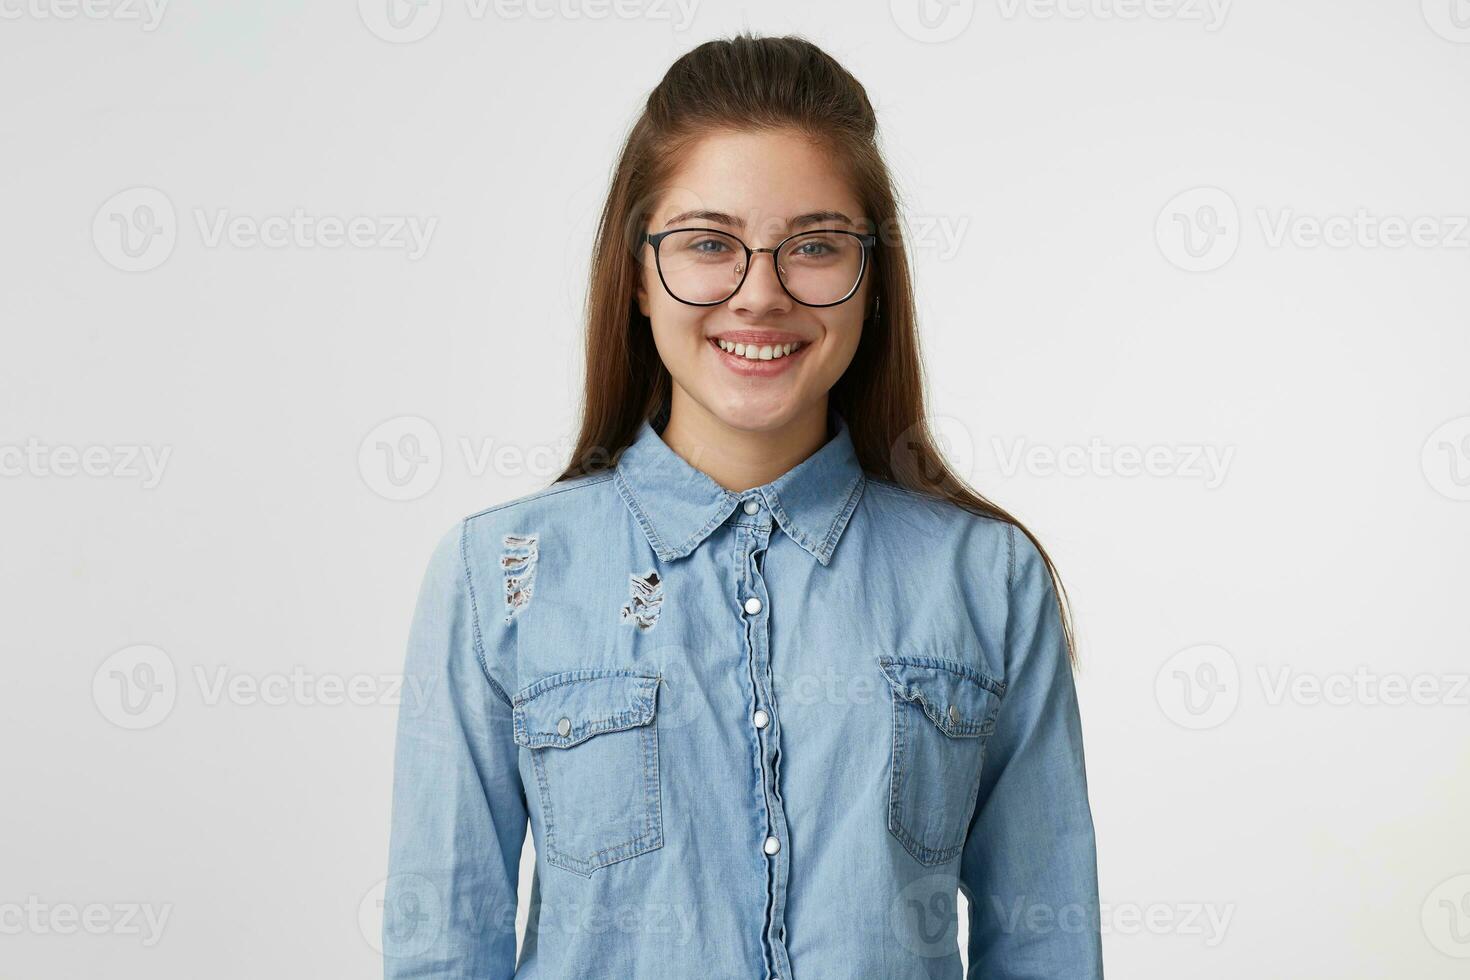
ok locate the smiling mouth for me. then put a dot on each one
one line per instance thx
(758, 352)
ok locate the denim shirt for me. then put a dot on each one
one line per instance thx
(758, 734)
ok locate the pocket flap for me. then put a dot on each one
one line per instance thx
(960, 700)
(567, 708)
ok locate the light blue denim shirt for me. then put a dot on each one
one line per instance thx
(759, 734)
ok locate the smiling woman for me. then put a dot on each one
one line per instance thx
(758, 327)
(706, 285)
(637, 696)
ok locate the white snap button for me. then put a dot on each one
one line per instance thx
(760, 718)
(772, 845)
(751, 507)
(752, 605)
(954, 715)
(564, 727)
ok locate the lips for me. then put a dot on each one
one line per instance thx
(752, 359)
(758, 349)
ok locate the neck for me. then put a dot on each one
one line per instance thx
(738, 459)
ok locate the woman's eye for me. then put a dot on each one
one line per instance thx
(715, 246)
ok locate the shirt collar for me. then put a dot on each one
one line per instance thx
(677, 505)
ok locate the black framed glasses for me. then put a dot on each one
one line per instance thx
(706, 266)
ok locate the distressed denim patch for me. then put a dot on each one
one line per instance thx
(647, 600)
(519, 564)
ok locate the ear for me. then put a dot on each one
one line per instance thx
(642, 293)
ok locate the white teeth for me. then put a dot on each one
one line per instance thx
(763, 352)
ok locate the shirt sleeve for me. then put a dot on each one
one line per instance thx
(1029, 866)
(459, 810)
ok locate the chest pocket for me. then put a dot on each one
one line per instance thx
(943, 713)
(594, 750)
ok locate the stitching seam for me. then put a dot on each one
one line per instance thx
(550, 491)
(479, 640)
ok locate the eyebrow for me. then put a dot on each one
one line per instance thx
(721, 218)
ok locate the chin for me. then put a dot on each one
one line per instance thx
(755, 414)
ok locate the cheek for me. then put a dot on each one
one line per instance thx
(839, 348)
(676, 330)
(846, 333)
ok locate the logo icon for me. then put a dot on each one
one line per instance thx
(1450, 19)
(400, 21)
(924, 916)
(950, 436)
(401, 916)
(932, 21)
(136, 687)
(135, 230)
(1446, 459)
(1199, 687)
(1446, 917)
(402, 458)
(1199, 230)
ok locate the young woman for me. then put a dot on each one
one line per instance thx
(767, 681)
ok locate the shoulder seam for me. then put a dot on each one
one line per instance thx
(575, 484)
(890, 485)
(934, 499)
(469, 583)
(1010, 558)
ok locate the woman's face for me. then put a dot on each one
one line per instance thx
(761, 187)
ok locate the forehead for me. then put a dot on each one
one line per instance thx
(763, 178)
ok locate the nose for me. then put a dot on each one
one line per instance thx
(761, 292)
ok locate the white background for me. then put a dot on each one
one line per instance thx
(1245, 828)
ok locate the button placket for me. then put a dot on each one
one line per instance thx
(754, 601)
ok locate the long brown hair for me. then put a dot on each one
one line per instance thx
(745, 83)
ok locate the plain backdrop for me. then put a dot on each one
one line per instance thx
(1192, 284)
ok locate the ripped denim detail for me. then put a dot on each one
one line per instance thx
(519, 564)
(647, 600)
